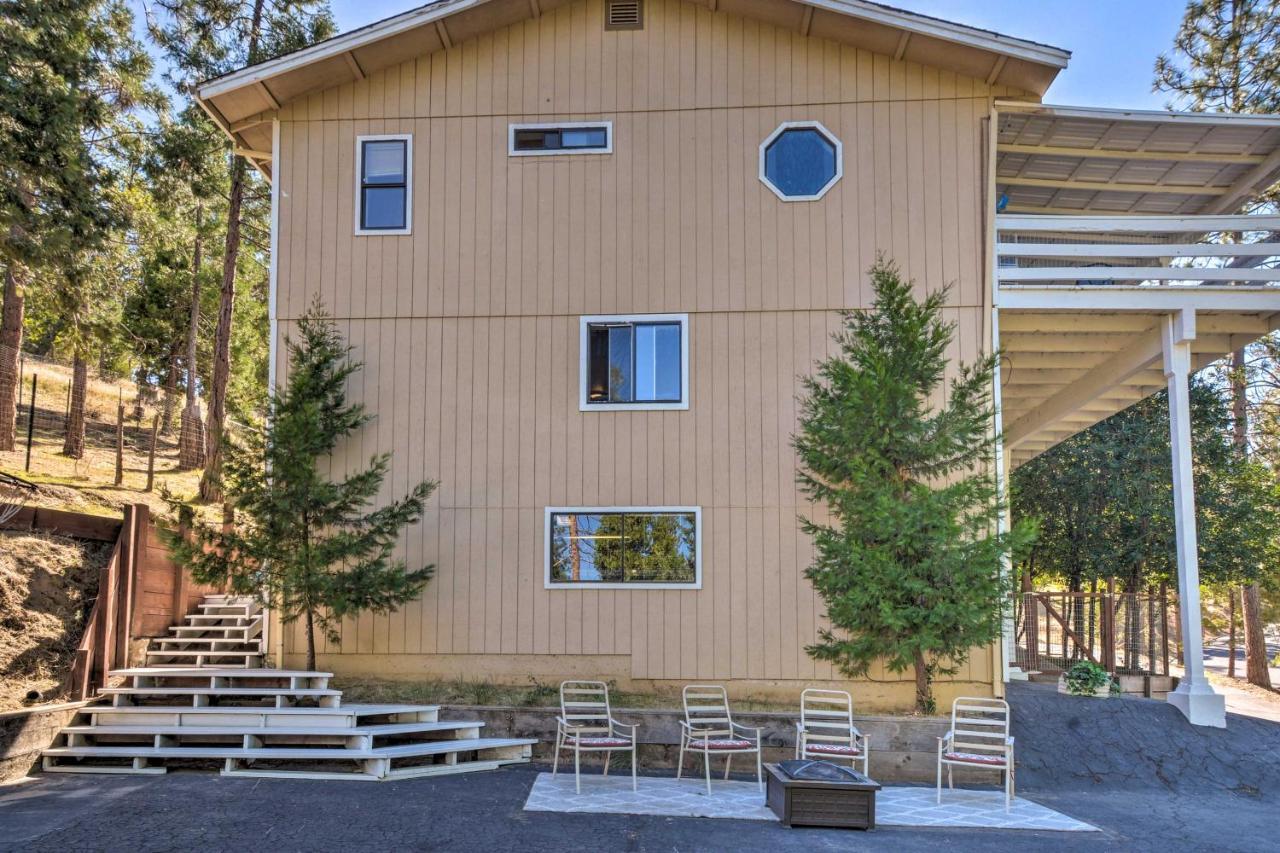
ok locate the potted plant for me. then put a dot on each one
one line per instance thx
(1086, 678)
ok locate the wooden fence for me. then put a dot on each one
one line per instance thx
(1127, 633)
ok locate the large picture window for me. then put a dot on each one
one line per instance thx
(384, 185)
(636, 362)
(624, 547)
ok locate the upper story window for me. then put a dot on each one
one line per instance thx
(623, 547)
(384, 184)
(573, 137)
(800, 161)
(635, 362)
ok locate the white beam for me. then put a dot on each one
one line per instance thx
(1195, 697)
(1155, 224)
(1130, 360)
(1117, 154)
(1116, 187)
(1081, 298)
(1250, 183)
(1137, 250)
(1136, 274)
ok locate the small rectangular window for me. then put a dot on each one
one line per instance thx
(637, 362)
(624, 547)
(562, 138)
(383, 184)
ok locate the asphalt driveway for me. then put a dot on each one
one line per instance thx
(1133, 768)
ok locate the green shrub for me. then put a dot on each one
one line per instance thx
(1084, 678)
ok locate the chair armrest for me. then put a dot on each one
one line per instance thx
(565, 724)
(741, 727)
(946, 739)
(617, 725)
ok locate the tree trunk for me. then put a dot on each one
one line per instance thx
(211, 481)
(924, 690)
(170, 391)
(1255, 642)
(191, 439)
(311, 642)
(73, 444)
(10, 346)
(1231, 632)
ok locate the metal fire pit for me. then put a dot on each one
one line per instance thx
(819, 793)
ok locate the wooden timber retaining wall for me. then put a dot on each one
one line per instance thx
(903, 749)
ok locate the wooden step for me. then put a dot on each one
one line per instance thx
(379, 762)
(180, 658)
(378, 730)
(168, 641)
(216, 672)
(344, 716)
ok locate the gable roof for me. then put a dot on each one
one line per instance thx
(235, 99)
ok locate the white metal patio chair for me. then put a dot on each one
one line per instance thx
(709, 728)
(586, 724)
(979, 737)
(826, 730)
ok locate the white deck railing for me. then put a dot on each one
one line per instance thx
(1097, 250)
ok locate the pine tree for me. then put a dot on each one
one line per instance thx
(305, 545)
(1226, 57)
(910, 565)
(72, 73)
(204, 39)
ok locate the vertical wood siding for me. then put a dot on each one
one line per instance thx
(468, 328)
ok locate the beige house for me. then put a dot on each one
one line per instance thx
(585, 247)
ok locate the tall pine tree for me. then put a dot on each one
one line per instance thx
(204, 39)
(305, 545)
(1226, 57)
(910, 565)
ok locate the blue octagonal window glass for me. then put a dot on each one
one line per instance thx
(800, 162)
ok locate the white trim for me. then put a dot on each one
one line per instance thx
(556, 125)
(585, 322)
(808, 125)
(1120, 114)
(407, 138)
(584, 510)
(1245, 299)
(1158, 224)
(273, 636)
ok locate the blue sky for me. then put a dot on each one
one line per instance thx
(1114, 43)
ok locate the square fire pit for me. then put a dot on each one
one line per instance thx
(819, 793)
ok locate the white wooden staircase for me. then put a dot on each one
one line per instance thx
(213, 701)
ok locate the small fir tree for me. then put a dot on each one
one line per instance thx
(305, 545)
(910, 565)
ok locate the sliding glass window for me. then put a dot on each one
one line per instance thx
(623, 547)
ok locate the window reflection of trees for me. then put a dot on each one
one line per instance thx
(623, 548)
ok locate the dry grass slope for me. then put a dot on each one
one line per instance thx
(47, 587)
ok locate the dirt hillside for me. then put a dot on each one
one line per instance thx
(47, 587)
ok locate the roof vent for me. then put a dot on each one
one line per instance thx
(624, 14)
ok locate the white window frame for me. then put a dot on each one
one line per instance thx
(555, 125)
(587, 510)
(407, 138)
(584, 325)
(803, 125)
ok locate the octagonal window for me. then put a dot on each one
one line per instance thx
(800, 161)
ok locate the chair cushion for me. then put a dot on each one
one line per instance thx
(573, 740)
(832, 749)
(974, 758)
(724, 743)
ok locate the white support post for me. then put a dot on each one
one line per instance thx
(1008, 654)
(1195, 697)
